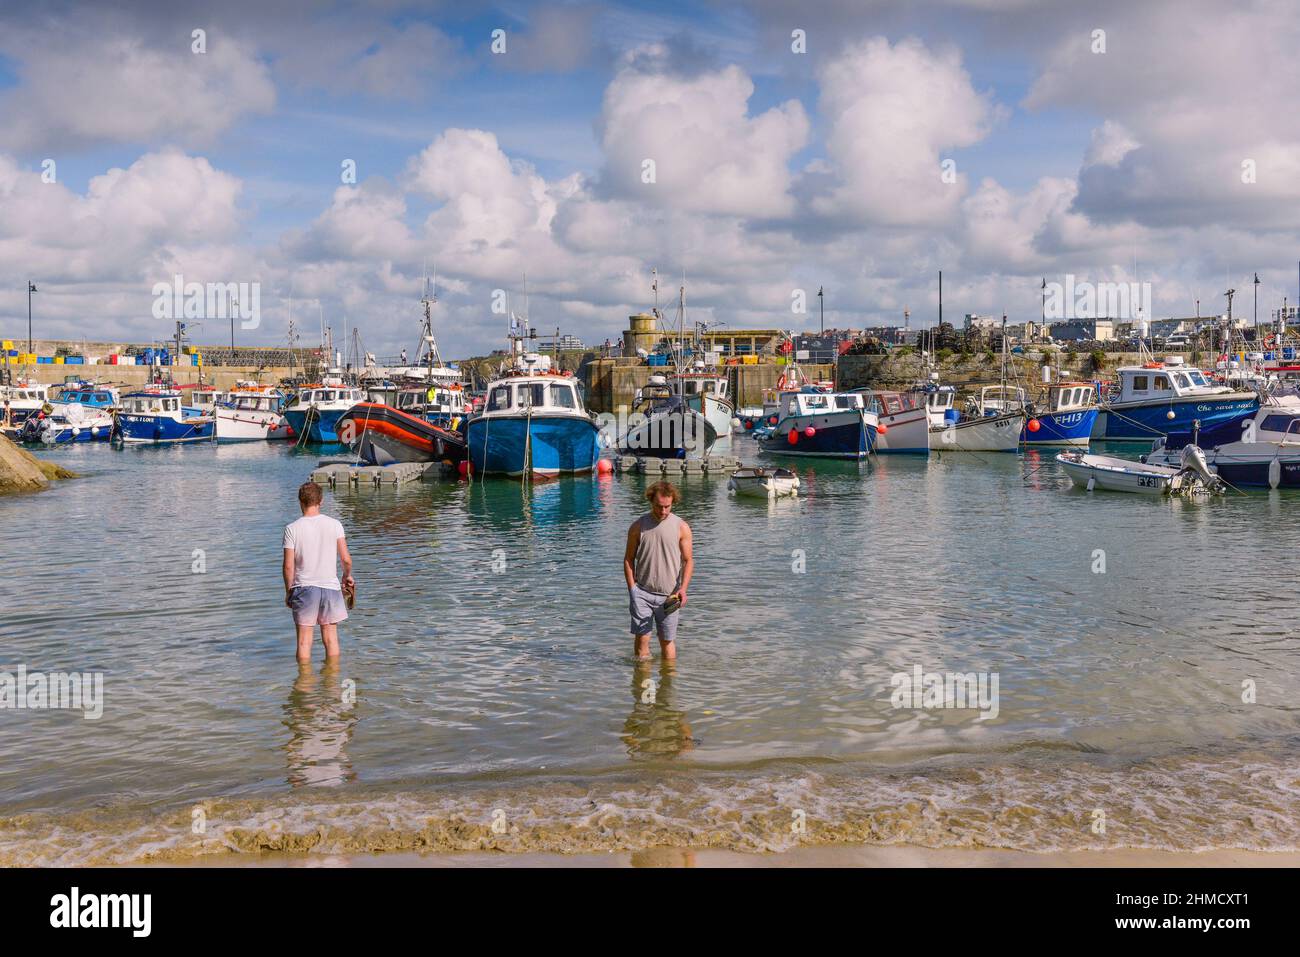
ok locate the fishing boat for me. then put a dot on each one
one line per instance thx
(68, 422)
(950, 432)
(663, 424)
(250, 412)
(1114, 474)
(705, 391)
(1263, 452)
(1068, 417)
(316, 410)
(1156, 398)
(158, 417)
(86, 394)
(823, 425)
(904, 421)
(382, 435)
(440, 403)
(534, 424)
(24, 398)
(763, 483)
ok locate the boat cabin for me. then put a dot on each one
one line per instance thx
(1277, 425)
(152, 403)
(1163, 380)
(26, 393)
(91, 396)
(552, 393)
(885, 402)
(699, 384)
(318, 395)
(1071, 396)
(1000, 400)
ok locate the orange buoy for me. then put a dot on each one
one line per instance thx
(1033, 425)
(604, 466)
(881, 429)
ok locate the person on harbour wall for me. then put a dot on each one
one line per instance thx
(657, 565)
(312, 589)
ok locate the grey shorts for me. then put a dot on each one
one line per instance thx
(648, 611)
(317, 606)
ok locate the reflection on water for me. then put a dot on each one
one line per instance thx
(655, 727)
(320, 718)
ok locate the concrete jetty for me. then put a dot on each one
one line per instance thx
(649, 465)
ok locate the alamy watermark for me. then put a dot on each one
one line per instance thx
(932, 690)
(1096, 300)
(213, 300)
(57, 690)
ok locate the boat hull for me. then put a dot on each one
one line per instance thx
(671, 435)
(324, 423)
(1246, 464)
(842, 434)
(719, 412)
(160, 430)
(760, 483)
(1149, 420)
(543, 445)
(991, 433)
(383, 435)
(242, 425)
(1061, 428)
(906, 433)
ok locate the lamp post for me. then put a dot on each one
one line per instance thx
(821, 306)
(31, 288)
(1256, 300)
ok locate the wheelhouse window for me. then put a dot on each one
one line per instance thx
(1280, 423)
(562, 396)
(1161, 383)
(499, 399)
(1197, 378)
(1140, 383)
(1181, 380)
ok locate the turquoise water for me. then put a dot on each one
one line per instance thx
(487, 679)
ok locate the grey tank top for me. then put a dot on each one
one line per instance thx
(657, 566)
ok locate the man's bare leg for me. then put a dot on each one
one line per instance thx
(304, 642)
(329, 634)
(641, 648)
(668, 649)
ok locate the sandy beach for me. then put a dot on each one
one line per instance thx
(800, 857)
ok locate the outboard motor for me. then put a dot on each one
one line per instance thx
(1192, 460)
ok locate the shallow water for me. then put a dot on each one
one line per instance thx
(497, 705)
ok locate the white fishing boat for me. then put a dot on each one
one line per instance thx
(1262, 452)
(250, 412)
(949, 432)
(1114, 474)
(763, 483)
(663, 425)
(904, 421)
(705, 391)
(24, 399)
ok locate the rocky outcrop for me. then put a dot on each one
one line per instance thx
(20, 471)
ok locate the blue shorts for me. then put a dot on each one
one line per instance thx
(313, 605)
(647, 610)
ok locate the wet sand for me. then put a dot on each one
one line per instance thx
(799, 857)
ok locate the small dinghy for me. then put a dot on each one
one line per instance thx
(1124, 475)
(764, 483)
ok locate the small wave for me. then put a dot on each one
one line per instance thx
(1186, 804)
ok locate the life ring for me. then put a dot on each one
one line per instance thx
(780, 383)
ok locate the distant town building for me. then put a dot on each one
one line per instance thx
(890, 335)
(570, 342)
(1083, 330)
(742, 342)
(823, 347)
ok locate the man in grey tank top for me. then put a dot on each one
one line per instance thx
(657, 565)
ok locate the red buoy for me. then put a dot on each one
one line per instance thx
(810, 431)
(462, 468)
(793, 437)
(749, 423)
(771, 420)
(1033, 425)
(604, 466)
(881, 429)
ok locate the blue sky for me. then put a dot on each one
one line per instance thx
(777, 171)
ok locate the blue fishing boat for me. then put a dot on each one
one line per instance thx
(822, 424)
(1068, 419)
(1157, 398)
(317, 409)
(533, 425)
(158, 418)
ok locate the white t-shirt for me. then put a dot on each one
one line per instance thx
(315, 550)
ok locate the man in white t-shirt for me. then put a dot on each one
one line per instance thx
(311, 582)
